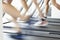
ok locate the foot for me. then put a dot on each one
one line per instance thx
(44, 23)
(16, 36)
(41, 23)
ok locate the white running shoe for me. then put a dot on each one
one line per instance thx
(41, 23)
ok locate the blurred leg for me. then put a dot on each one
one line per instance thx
(37, 6)
(24, 3)
(12, 12)
(46, 6)
(43, 21)
(56, 4)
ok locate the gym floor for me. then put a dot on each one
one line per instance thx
(51, 27)
(6, 37)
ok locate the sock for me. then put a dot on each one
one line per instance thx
(43, 19)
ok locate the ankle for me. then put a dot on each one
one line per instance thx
(44, 19)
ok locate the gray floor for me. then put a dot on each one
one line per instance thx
(6, 37)
(55, 27)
